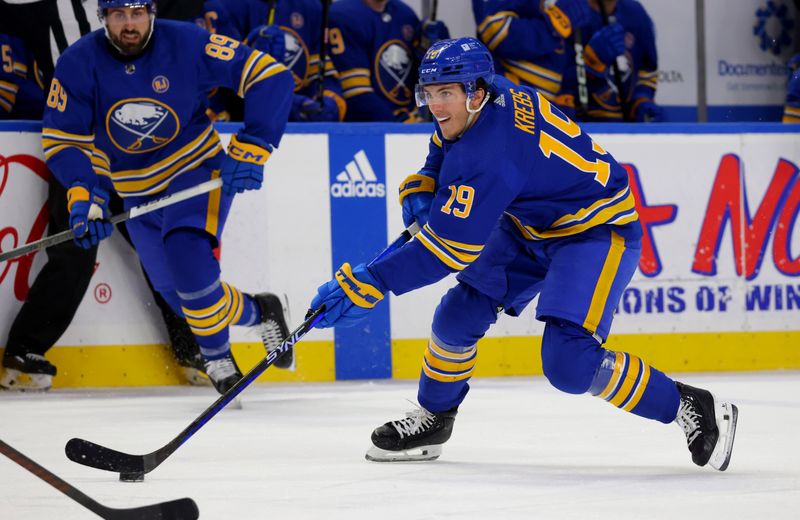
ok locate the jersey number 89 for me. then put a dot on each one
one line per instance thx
(221, 47)
(57, 98)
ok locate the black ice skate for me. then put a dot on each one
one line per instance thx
(709, 425)
(29, 372)
(273, 328)
(186, 351)
(223, 373)
(417, 437)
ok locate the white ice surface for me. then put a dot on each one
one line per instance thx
(520, 449)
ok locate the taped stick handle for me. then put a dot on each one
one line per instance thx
(134, 212)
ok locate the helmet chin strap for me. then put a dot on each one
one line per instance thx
(147, 40)
(473, 112)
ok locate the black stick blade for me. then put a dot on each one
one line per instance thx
(99, 457)
(181, 509)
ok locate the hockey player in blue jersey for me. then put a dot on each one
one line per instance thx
(520, 201)
(373, 44)
(527, 41)
(21, 81)
(126, 111)
(630, 35)
(293, 37)
(791, 111)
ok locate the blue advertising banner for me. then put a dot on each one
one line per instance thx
(358, 233)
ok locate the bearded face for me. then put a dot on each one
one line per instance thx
(128, 29)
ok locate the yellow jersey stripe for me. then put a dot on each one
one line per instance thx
(581, 214)
(438, 253)
(640, 388)
(454, 251)
(628, 382)
(607, 275)
(436, 139)
(209, 134)
(55, 134)
(448, 366)
(353, 72)
(357, 92)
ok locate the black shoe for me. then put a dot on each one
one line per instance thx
(417, 437)
(186, 350)
(223, 373)
(273, 327)
(28, 372)
(709, 425)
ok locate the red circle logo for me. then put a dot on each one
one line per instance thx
(102, 293)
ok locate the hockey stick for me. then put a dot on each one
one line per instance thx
(623, 100)
(181, 509)
(133, 467)
(580, 71)
(134, 212)
(323, 49)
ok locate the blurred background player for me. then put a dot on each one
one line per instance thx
(554, 216)
(140, 129)
(527, 41)
(627, 42)
(791, 111)
(58, 289)
(290, 31)
(375, 46)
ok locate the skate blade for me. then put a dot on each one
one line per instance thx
(16, 381)
(727, 415)
(421, 453)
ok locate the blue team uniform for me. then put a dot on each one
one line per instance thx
(21, 81)
(639, 81)
(301, 21)
(375, 54)
(138, 125)
(550, 213)
(524, 47)
(791, 111)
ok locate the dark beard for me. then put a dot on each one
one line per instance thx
(129, 49)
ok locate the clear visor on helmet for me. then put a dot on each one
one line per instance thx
(439, 96)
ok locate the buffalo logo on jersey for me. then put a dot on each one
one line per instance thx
(140, 125)
(393, 66)
(296, 58)
(160, 84)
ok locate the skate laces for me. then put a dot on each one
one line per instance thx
(271, 334)
(219, 369)
(416, 421)
(689, 420)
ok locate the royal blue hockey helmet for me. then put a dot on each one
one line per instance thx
(459, 60)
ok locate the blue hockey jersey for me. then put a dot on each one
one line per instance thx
(375, 54)
(301, 23)
(524, 47)
(639, 80)
(523, 160)
(136, 123)
(21, 87)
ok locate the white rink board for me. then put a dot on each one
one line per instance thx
(280, 238)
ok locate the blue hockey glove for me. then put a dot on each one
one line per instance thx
(416, 196)
(432, 32)
(88, 215)
(269, 39)
(565, 15)
(349, 297)
(309, 109)
(648, 112)
(604, 47)
(243, 168)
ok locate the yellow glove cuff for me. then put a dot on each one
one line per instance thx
(362, 294)
(416, 183)
(560, 21)
(76, 194)
(247, 152)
